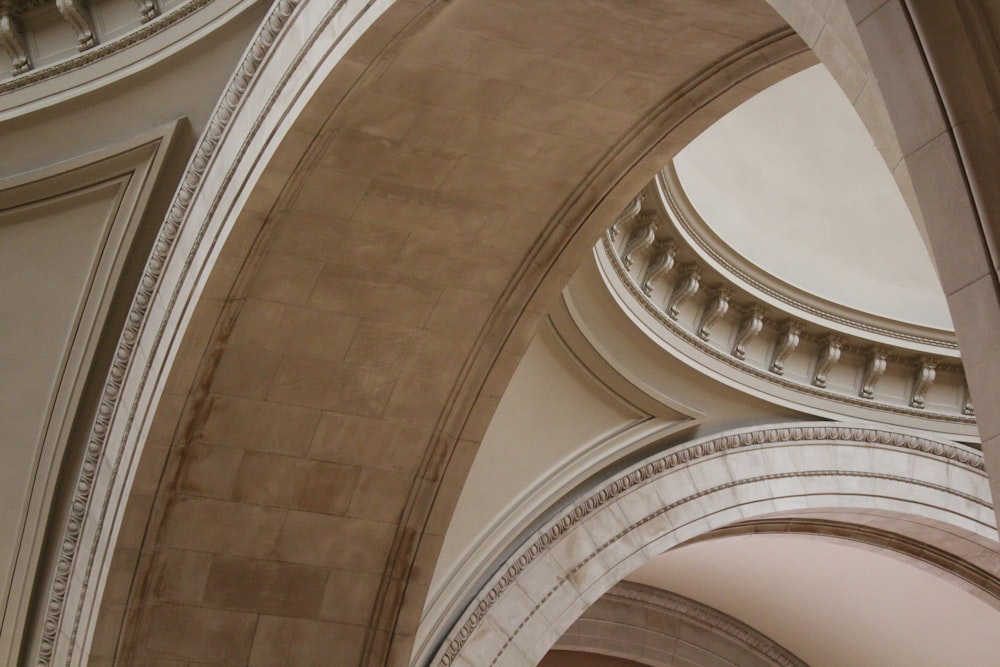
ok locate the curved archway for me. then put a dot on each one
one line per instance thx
(616, 525)
(507, 275)
(652, 626)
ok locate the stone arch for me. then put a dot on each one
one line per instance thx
(653, 626)
(284, 89)
(209, 402)
(617, 524)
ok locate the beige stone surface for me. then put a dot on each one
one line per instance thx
(454, 182)
(392, 265)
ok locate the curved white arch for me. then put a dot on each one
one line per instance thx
(616, 525)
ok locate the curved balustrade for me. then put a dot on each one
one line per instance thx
(822, 355)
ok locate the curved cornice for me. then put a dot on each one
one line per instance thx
(148, 43)
(656, 615)
(685, 221)
(690, 305)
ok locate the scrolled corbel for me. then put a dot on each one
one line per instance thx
(78, 17)
(627, 214)
(718, 305)
(685, 288)
(874, 370)
(788, 340)
(922, 381)
(967, 406)
(752, 325)
(829, 355)
(12, 41)
(662, 260)
(147, 10)
(642, 236)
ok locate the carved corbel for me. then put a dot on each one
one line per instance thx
(630, 212)
(147, 10)
(788, 340)
(922, 381)
(829, 355)
(642, 236)
(664, 252)
(752, 325)
(718, 305)
(873, 372)
(967, 407)
(685, 288)
(78, 17)
(12, 41)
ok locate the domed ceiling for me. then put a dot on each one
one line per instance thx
(792, 181)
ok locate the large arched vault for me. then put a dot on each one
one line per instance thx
(384, 206)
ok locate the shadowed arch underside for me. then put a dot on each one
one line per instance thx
(374, 298)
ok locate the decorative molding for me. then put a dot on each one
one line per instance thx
(69, 553)
(685, 288)
(643, 473)
(629, 605)
(78, 18)
(684, 217)
(788, 340)
(752, 325)
(12, 41)
(874, 369)
(829, 355)
(101, 51)
(680, 285)
(926, 373)
(718, 305)
(660, 263)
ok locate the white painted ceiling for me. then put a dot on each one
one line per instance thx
(834, 603)
(792, 181)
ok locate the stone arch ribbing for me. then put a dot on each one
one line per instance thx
(616, 525)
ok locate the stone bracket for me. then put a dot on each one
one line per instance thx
(12, 41)
(787, 342)
(78, 17)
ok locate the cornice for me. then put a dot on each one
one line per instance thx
(680, 216)
(724, 321)
(142, 32)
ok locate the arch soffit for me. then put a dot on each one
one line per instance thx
(954, 554)
(651, 626)
(678, 118)
(244, 125)
(615, 526)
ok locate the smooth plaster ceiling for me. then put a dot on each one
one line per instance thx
(831, 602)
(792, 181)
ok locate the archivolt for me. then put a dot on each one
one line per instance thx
(616, 525)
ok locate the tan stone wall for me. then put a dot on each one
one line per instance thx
(359, 329)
